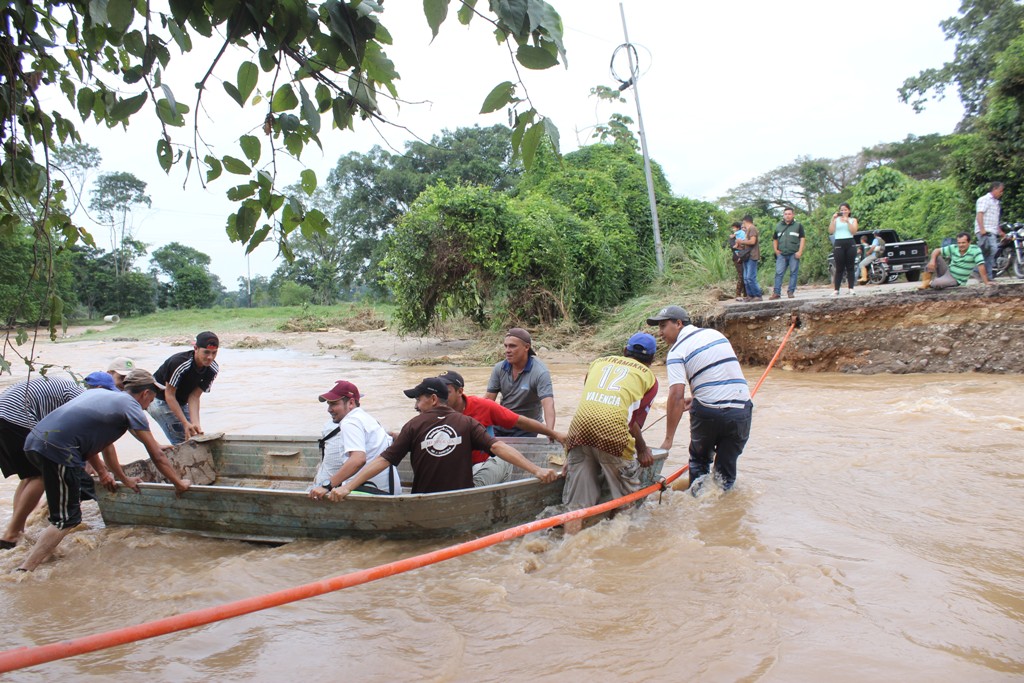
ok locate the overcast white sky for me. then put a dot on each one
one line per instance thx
(729, 90)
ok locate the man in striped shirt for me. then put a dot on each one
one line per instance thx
(720, 406)
(951, 265)
(22, 406)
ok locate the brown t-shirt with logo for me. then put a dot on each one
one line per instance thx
(442, 442)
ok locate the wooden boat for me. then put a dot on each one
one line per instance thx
(254, 488)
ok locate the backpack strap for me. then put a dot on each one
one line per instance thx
(323, 442)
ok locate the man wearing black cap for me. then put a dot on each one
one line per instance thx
(487, 469)
(187, 376)
(605, 438)
(523, 382)
(720, 409)
(441, 442)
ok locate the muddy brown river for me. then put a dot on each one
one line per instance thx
(874, 534)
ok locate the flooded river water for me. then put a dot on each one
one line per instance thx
(873, 534)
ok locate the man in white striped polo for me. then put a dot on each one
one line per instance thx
(720, 406)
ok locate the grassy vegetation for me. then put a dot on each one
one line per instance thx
(242, 320)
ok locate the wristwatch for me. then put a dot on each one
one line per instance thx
(327, 485)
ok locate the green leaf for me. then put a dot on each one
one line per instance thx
(120, 14)
(124, 109)
(85, 99)
(215, 168)
(244, 191)
(233, 92)
(251, 148)
(342, 112)
(500, 95)
(257, 238)
(551, 130)
(307, 180)
(268, 60)
(98, 12)
(535, 57)
(172, 117)
(309, 111)
(513, 14)
(436, 12)
(530, 142)
(236, 166)
(181, 38)
(164, 154)
(248, 75)
(284, 99)
(466, 12)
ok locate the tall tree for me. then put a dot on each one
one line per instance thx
(982, 30)
(113, 198)
(191, 284)
(803, 184)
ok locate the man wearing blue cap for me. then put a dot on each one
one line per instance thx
(605, 436)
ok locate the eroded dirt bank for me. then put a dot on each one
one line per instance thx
(966, 329)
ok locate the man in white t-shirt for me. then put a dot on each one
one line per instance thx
(350, 440)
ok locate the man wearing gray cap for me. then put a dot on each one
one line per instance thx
(441, 442)
(76, 433)
(523, 382)
(720, 408)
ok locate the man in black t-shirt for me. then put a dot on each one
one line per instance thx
(187, 376)
(442, 442)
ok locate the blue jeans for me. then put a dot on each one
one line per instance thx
(163, 416)
(782, 262)
(750, 278)
(989, 245)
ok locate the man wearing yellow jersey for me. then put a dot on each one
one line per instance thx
(604, 437)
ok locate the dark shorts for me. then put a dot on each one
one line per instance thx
(12, 451)
(63, 487)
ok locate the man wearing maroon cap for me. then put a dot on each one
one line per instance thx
(186, 376)
(441, 442)
(487, 469)
(523, 382)
(351, 440)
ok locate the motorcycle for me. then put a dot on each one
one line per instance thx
(1010, 252)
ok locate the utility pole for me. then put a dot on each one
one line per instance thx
(634, 74)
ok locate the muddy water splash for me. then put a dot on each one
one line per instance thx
(873, 534)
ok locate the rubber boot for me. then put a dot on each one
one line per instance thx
(863, 277)
(926, 280)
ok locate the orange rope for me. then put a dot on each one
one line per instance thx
(796, 321)
(22, 657)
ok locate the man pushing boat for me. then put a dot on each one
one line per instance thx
(442, 442)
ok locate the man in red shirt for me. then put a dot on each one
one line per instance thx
(487, 469)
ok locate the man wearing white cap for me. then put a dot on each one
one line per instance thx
(351, 440)
(119, 369)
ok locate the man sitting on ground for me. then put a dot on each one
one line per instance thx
(488, 469)
(441, 442)
(950, 266)
(350, 440)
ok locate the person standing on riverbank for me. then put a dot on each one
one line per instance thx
(605, 438)
(843, 228)
(738, 257)
(441, 442)
(523, 382)
(486, 468)
(76, 433)
(351, 439)
(986, 225)
(788, 242)
(751, 241)
(185, 377)
(720, 407)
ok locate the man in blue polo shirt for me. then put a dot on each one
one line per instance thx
(523, 382)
